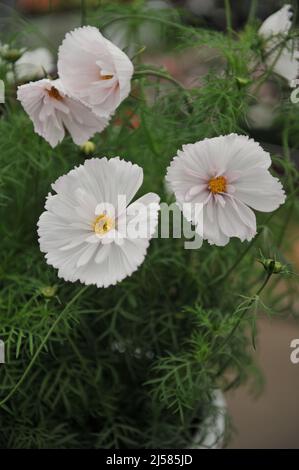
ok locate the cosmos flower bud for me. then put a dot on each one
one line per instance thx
(49, 291)
(242, 81)
(11, 55)
(272, 266)
(88, 147)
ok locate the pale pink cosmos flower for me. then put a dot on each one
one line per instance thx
(34, 64)
(283, 60)
(94, 70)
(53, 112)
(225, 177)
(91, 230)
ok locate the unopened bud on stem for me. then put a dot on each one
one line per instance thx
(11, 55)
(88, 147)
(272, 266)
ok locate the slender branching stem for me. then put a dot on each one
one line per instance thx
(146, 128)
(228, 15)
(265, 76)
(252, 11)
(159, 74)
(145, 18)
(244, 311)
(231, 269)
(83, 12)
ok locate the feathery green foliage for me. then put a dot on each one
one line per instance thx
(135, 365)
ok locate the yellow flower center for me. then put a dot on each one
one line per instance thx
(106, 77)
(217, 185)
(54, 93)
(103, 224)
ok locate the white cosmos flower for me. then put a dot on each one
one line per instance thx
(94, 70)
(90, 231)
(224, 176)
(273, 30)
(34, 64)
(52, 111)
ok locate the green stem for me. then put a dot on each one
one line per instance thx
(228, 15)
(14, 73)
(285, 139)
(287, 154)
(147, 18)
(37, 352)
(270, 69)
(286, 150)
(146, 129)
(156, 73)
(285, 224)
(252, 11)
(227, 339)
(165, 76)
(83, 12)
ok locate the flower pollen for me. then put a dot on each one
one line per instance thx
(103, 224)
(54, 93)
(106, 77)
(217, 185)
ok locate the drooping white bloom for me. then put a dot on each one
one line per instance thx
(223, 177)
(34, 64)
(90, 231)
(52, 111)
(94, 70)
(274, 29)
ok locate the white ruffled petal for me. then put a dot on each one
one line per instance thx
(68, 230)
(236, 220)
(52, 111)
(94, 70)
(141, 217)
(102, 253)
(211, 229)
(284, 62)
(124, 69)
(279, 22)
(260, 190)
(224, 175)
(86, 255)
